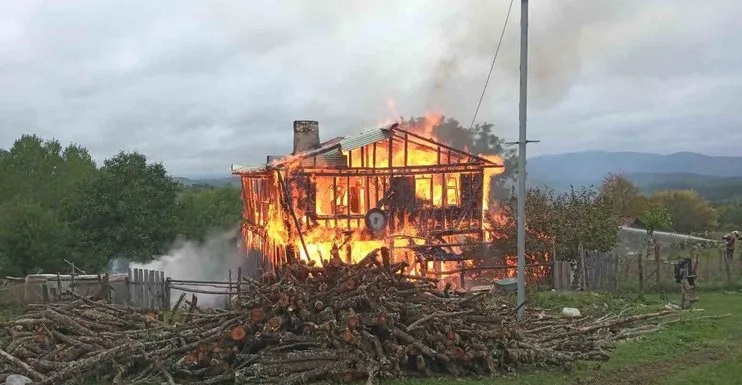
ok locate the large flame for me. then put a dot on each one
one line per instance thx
(348, 239)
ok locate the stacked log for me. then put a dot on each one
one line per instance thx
(303, 324)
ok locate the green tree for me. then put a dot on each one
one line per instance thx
(42, 171)
(32, 239)
(203, 210)
(585, 220)
(129, 210)
(730, 214)
(654, 218)
(690, 212)
(622, 195)
(540, 223)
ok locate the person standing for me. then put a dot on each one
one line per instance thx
(729, 241)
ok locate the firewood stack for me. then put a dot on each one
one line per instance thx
(303, 324)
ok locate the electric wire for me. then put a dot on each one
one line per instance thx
(492, 66)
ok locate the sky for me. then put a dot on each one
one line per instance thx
(200, 85)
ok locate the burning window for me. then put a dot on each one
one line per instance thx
(335, 196)
(424, 189)
(430, 189)
(452, 190)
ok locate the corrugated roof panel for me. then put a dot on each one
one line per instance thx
(365, 138)
(334, 159)
(327, 151)
(248, 169)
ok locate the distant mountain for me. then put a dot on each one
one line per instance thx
(213, 181)
(715, 177)
(713, 188)
(593, 165)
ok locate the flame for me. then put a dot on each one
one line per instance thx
(534, 273)
(324, 237)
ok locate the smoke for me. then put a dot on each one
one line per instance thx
(209, 260)
(565, 38)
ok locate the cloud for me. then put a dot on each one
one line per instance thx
(200, 85)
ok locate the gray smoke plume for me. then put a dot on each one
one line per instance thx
(210, 260)
(565, 36)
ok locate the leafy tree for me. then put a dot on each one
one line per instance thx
(585, 221)
(129, 210)
(622, 195)
(206, 209)
(540, 223)
(42, 171)
(654, 218)
(730, 215)
(32, 239)
(690, 213)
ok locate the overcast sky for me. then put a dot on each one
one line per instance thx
(200, 85)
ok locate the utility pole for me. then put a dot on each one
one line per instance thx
(522, 142)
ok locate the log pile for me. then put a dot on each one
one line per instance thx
(303, 324)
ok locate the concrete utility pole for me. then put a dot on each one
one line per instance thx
(522, 142)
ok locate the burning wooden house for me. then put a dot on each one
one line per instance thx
(394, 187)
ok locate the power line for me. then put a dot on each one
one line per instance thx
(492, 67)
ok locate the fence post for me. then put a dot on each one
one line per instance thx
(725, 258)
(161, 288)
(641, 269)
(128, 287)
(615, 273)
(657, 262)
(139, 287)
(239, 282)
(59, 287)
(72, 279)
(145, 294)
(156, 301)
(106, 288)
(230, 288)
(583, 268)
(167, 293)
(152, 283)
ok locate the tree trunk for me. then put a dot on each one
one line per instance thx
(725, 258)
(657, 262)
(615, 273)
(641, 270)
(583, 268)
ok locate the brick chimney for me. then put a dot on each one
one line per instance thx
(306, 135)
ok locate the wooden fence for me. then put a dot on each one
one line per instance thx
(612, 272)
(211, 292)
(148, 289)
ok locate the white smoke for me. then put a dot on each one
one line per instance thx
(210, 260)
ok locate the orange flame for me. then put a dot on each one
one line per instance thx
(349, 239)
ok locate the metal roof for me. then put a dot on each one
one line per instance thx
(331, 152)
(326, 152)
(236, 168)
(364, 138)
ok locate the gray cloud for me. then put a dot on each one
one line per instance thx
(200, 85)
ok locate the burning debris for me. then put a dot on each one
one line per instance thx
(369, 320)
(395, 186)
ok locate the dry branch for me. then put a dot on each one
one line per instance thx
(302, 324)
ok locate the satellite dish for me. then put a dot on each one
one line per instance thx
(376, 219)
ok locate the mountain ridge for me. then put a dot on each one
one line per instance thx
(716, 177)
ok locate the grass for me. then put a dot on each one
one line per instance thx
(691, 352)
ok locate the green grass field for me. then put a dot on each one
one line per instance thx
(702, 352)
